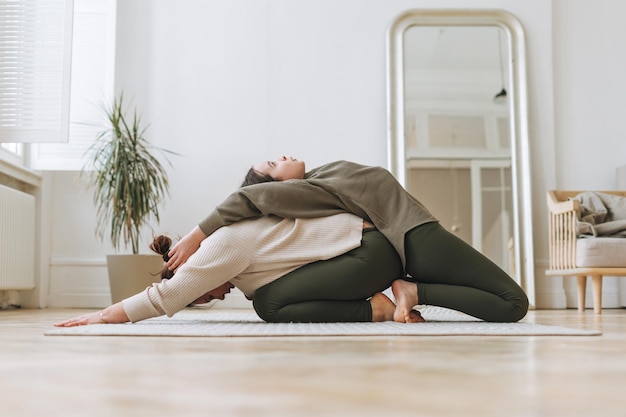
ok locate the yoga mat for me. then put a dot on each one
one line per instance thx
(198, 322)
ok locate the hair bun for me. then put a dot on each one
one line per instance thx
(161, 245)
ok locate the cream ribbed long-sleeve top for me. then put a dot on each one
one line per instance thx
(249, 254)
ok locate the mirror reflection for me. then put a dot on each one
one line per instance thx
(457, 141)
(458, 137)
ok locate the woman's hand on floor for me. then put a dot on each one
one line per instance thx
(91, 318)
(112, 314)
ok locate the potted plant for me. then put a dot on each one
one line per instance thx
(129, 184)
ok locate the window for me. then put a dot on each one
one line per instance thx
(93, 67)
(13, 152)
(15, 148)
(35, 54)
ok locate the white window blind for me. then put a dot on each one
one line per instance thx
(35, 56)
(92, 84)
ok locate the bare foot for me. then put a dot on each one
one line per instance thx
(415, 317)
(405, 293)
(382, 307)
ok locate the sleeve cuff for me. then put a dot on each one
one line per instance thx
(138, 307)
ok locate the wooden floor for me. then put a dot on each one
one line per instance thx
(334, 376)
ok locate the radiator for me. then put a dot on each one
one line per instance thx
(17, 239)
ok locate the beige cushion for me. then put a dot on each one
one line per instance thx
(607, 252)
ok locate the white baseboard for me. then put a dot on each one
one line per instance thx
(549, 292)
(78, 283)
(83, 283)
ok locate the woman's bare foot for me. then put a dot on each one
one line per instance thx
(415, 317)
(405, 293)
(382, 307)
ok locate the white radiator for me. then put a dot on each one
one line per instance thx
(17, 239)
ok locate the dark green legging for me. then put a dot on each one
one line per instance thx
(448, 272)
(452, 274)
(335, 290)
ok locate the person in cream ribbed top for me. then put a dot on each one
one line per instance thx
(248, 254)
(253, 253)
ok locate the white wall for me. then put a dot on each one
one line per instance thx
(589, 111)
(589, 86)
(227, 83)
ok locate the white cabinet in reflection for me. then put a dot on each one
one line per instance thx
(457, 133)
(471, 198)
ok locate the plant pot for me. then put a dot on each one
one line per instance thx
(131, 274)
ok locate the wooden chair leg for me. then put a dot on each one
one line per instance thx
(582, 291)
(597, 293)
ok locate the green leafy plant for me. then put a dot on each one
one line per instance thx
(128, 181)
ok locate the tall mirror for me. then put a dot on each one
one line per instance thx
(458, 136)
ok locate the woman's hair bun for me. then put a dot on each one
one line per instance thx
(161, 245)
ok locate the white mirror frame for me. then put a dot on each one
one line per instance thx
(520, 153)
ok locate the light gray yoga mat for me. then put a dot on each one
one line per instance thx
(245, 323)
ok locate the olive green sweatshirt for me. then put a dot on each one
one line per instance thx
(371, 193)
